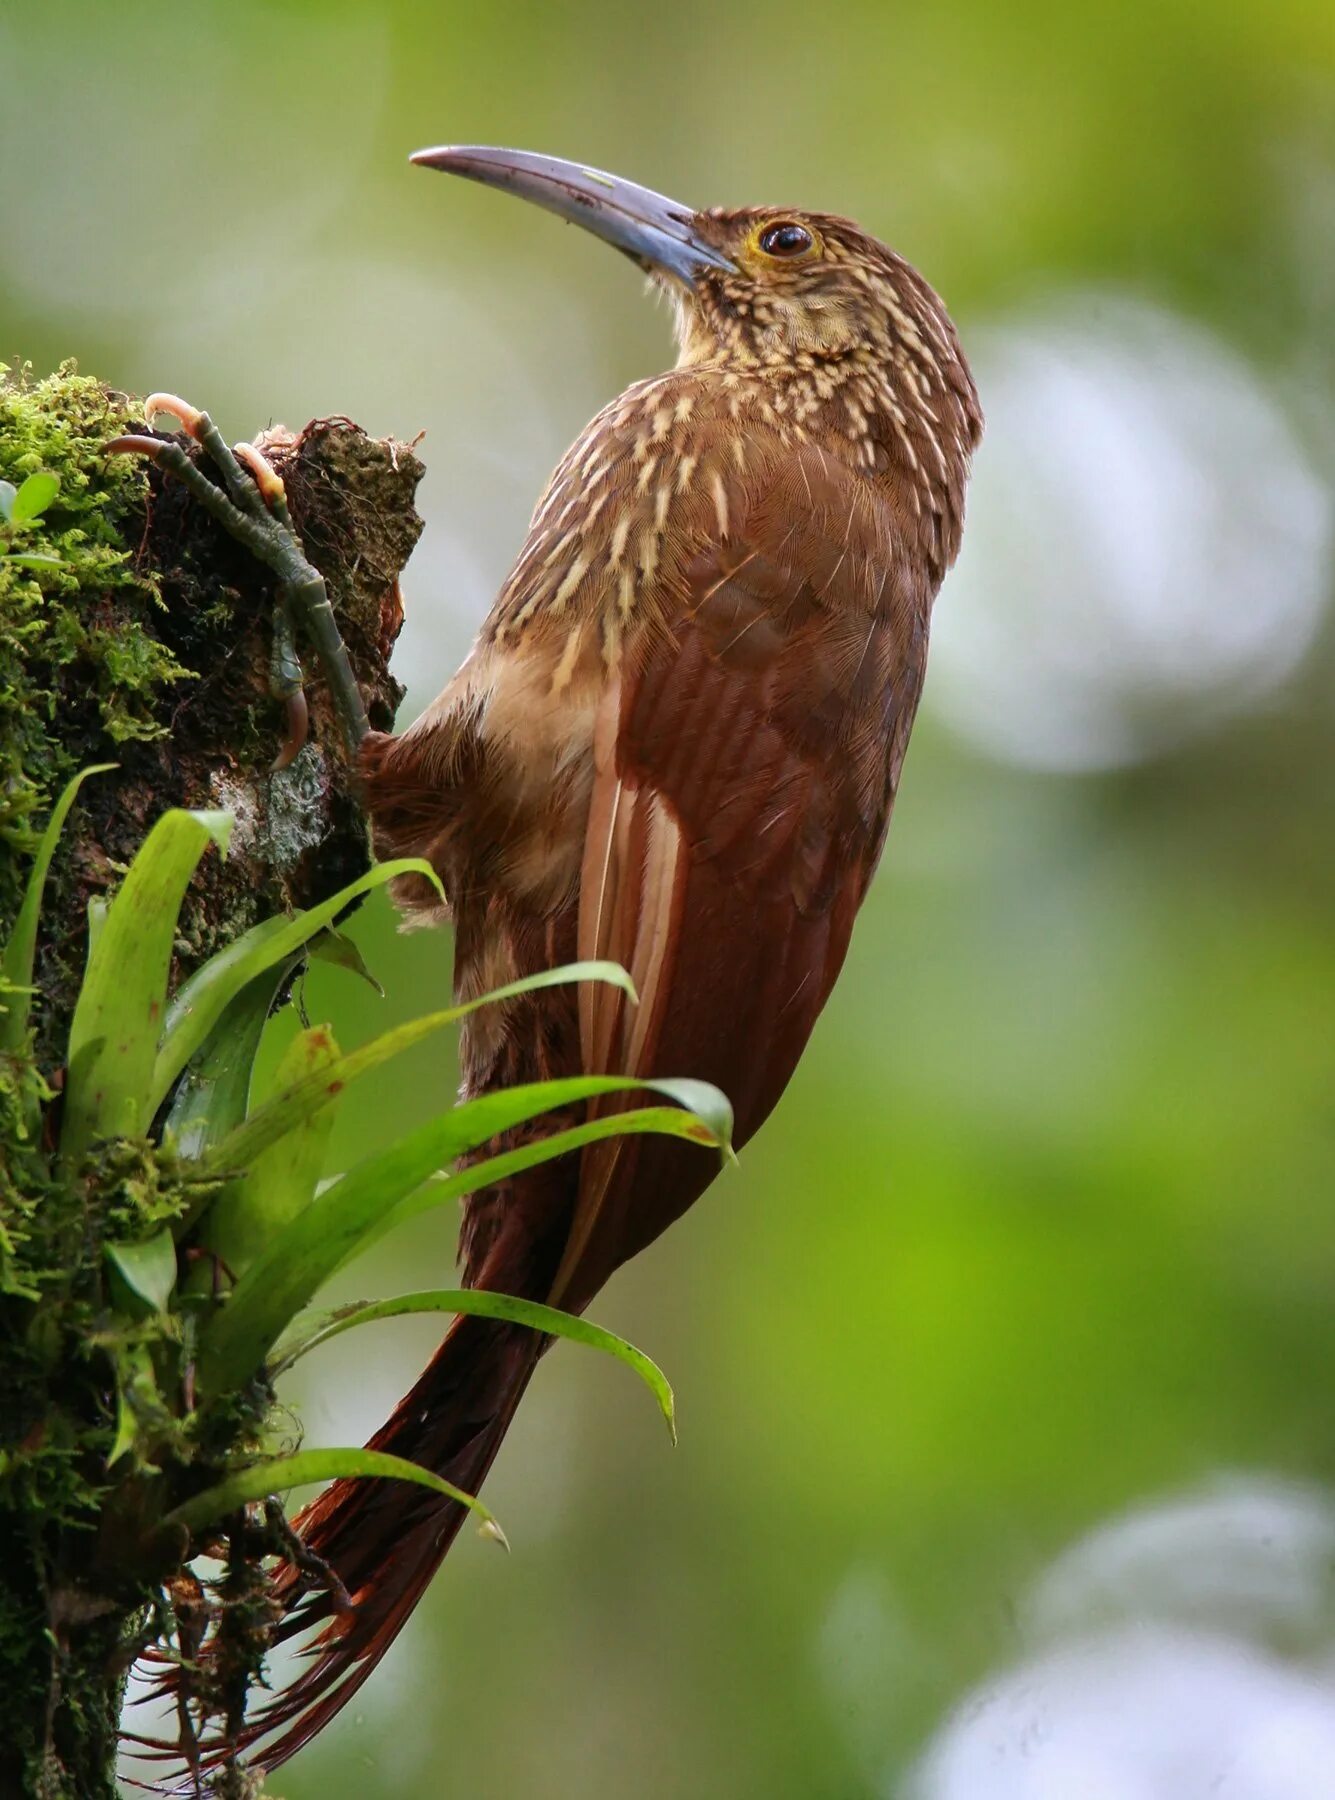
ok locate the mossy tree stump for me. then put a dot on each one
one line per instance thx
(146, 644)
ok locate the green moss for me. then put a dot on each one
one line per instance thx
(99, 1439)
(23, 1093)
(76, 636)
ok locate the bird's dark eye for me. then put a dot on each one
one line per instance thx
(785, 239)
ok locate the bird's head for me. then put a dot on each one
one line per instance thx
(773, 291)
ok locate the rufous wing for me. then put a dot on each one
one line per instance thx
(745, 758)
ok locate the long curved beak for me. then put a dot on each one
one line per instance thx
(652, 230)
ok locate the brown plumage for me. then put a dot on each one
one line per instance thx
(675, 743)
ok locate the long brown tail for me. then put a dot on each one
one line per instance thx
(386, 1539)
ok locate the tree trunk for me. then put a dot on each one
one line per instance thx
(148, 646)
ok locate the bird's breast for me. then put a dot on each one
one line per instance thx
(656, 475)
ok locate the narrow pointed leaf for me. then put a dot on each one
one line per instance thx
(279, 1473)
(121, 1005)
(662, 1121)
(137, 1397)
(479, 1303)
(280, 1182)
(31, 559)
(148, 1267)
(8, 494)
(269, 1122)
(16, 963)
(335, 947)
(213, 1094)
(197, 1007)
(386, 1189)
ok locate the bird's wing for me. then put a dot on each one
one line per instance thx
(745, 762)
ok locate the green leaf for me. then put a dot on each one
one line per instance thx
(479, 1303)
(16, 963)
(269, 1122)
(118, 1016)
(33, 498)
(281, 1182)
(663, 1121)
(32, 559)
(196, 1009)
(137, 1397)
(148, 1268)
(8, 495)
(384, 1190)
(213, 1095)
(98, 908)
(307, 1466)
(333, 947)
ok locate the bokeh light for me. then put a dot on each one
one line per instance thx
(1188, 1652)
(1148, 549)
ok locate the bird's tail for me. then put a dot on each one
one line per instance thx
(385, 1539)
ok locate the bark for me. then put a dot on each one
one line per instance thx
(300, 834)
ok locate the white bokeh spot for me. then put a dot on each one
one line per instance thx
(1148, 546)
(1184, 1650)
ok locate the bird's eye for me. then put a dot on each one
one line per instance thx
(785, 239)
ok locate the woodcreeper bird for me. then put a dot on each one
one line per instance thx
(674, 744)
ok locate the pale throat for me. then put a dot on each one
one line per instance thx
(816, 377)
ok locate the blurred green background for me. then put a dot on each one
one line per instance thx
(1006, 1362)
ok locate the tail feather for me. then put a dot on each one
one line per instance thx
(386, 1539)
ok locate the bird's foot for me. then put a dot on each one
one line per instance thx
(287, 1542)
(252, 507)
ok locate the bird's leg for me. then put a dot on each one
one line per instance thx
(254, 511)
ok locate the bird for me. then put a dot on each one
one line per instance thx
(674, 744)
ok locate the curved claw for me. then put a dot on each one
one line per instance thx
(252, 507)
(265, 476)
(133, 444)
(298, 725)
(188, 417)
